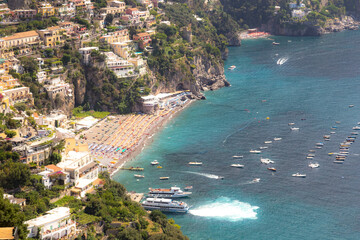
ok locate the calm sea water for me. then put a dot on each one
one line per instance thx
(317, 81)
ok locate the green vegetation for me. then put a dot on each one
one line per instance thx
(79, 113)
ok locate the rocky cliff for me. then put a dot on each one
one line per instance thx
(16, 4)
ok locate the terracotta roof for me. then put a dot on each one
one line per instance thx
(53, 28)
(133, 9)
(98, 182)
(65, 23)
(142, 34)
(6, 233)
(21, 35)
(53, 167)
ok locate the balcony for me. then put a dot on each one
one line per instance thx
(60, 232)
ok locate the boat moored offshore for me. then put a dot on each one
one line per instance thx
(195, 163)
(165, 205)
(173, 192)
(299, 175)
(237, 165)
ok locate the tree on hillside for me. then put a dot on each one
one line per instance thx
(12, 216)
(13, 174)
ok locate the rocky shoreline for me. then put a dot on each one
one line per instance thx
(309, 28)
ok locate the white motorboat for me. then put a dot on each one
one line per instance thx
(350, 106)
(256, 180)
(139, 176)
(255, 151)
(238, 156)
(354, 133)
(275, 43)
(356, 128)
(195, 163)
(155, 162)
(232, 67)
(277, 139)
(299, 175)
(265, 147)
(266, 161)
(291, 124)
(173, 192)
(294, 129)
(314, 165)
(332, 132)
(268, 142)
(165, 205)
(320, 144)
(237, 165)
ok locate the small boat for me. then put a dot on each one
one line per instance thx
(155, 162)
(263, 148)
(338, 162)
(320, 144)
(299, 175)
(294, 129)
(291, 124)
(318, 147)
(332, 132)
(354, 133)
(256, 180)
(195, 163)
(272, 169)
(238, 156)
(275, 43)
(139, 176)
(188, 187)
(314, 165)
(268, 142)
(350, 106)
(232, 67)
(266, 161)
(255, 151)
(237, 165)
(159, 167)
(164, 178)
(337, 122)
(277, 139)
(309, 157)
(311, 150)
(356, 128)
(220, 177)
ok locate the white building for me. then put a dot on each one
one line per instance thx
(56, 224)
(121, 67)
(294, 5)
(53, 173)
(86, 54)
(83, 171)
(298, 13)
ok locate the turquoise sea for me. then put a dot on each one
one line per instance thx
(312, 78)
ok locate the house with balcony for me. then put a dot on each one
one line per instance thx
(18, 95)
(23, 41)
(54, 175)
(55, 224)
(46, 10)
(117, 36)
(34, 154)
(144, 39)
(52, 36)
(122, 68)
(25, 13)
(86, 54)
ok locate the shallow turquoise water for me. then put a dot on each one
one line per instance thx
(318, 80)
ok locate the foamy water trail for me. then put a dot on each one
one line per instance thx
(282, 60)
(226, 209)
(208, 175)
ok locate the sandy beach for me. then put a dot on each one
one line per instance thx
(119, 139)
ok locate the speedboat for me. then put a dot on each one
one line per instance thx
(188, 187)
(238, 156)
(164, 178)
(272, 169)
(337, 122)
(232, 67)
(309, 157)
(294, 129)
(320, 144)
(332, 132)
(356, 128)
(165, 205)
(277, 139)
(266, 161)
(255, 151)
(173, 192)
(159, 166)
(291, 124)
(237, 165)
(275, 43)
(139, 176)
(354, 133)
(338, 162)
(256, 180)
(314, 165)
(268, 142)
(155, 162)
(311, 150)
(195, 163)
(299, 175)
(265, 147)
(350, 106)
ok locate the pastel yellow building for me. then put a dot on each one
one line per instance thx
(72, 144)
(23, 40)
(7, 82)
(46, 10)
(121, 49)
(52, 36)
(118, 36)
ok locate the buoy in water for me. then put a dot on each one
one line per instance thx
(267, 118)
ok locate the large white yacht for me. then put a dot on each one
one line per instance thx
(165, 205)
(173, 192)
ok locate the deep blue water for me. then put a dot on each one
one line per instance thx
(318, 80)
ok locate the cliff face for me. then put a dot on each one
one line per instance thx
(16, 4)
